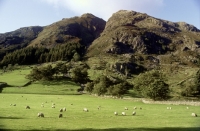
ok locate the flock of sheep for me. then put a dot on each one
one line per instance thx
(123, 113)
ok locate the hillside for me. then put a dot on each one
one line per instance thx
(83, 29)
(131, 36)
(18, 39)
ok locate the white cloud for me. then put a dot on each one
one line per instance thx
(105, 8)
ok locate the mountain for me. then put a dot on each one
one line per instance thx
(129, 40)
(83, 29)
(131, 36)
(18, 39)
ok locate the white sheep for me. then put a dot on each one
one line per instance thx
(194, 114)
(14, 104)
(64, 109)
(135, 108)
(134, 113)
(115, 113)
(28, 107)
(169, 108)
(52, 106)
(61, 110)
(40, 114)
(125, 108)
(187, 107)
(123, 113)
(85, 109)
(60, 115)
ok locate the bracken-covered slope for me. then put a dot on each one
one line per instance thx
(83, 29)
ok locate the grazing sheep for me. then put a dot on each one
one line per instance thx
(14, 104)
(125, 108)
(40, 114)
(28, 107)
(64, 109)
(140, 108)
(123, 113)
(60, 115)
(61, 110)
(115, 113)
(42, 105)
(135, 107)
(52, 106)
(194, 114)
(169, 108)
(85, 109)
(187, 107)
(134, 113)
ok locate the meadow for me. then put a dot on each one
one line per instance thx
(151, 117)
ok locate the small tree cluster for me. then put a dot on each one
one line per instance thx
(103, 85)
(152, 84)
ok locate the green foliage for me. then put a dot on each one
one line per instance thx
(32, 55)
(89, 87)
(79, 75)
(152, 84)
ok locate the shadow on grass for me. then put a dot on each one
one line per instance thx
(123, 129)
(10, 117)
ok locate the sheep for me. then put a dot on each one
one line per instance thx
(169, 108)
(123, 113)
(61, 110)
(60, 115)
(115, 113)
(140, 108)
(135, 107)
(64, 109)
(28, 107)
(85, 109)
(42, 105)
(194, 114)
(52, 106)
(40, 114)
(125, 108)
(134, 113)
(187, 107)
(14, 104)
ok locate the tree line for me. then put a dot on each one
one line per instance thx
(34, 55)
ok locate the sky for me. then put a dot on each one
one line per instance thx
(15, 14)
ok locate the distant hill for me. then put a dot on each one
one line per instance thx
(18, 39)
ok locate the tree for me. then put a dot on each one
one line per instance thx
(152, 84)
(80, 75)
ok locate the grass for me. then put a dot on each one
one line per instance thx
(151, 117)
(63, 93)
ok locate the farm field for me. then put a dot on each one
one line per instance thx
(150, 117)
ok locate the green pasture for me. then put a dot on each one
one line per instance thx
(150, 117)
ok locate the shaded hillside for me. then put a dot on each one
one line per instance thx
(146, 40)
(18, 39)
(83, 29)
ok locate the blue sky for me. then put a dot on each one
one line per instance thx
(15, 14)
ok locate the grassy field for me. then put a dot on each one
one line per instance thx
(151, 117)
